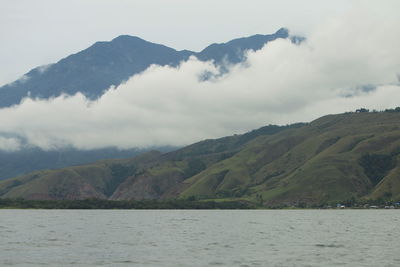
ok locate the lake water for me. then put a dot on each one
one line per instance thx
(200, 237)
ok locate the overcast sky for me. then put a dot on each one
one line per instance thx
(353, 47)
(40, 32)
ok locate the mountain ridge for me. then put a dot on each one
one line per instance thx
(109, 63)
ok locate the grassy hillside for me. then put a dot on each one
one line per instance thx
(334, 158)
(97, 180)
(320, 162)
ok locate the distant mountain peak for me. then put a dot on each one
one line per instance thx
(282, 31)
(127, 38)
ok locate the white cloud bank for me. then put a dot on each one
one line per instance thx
(282, 83)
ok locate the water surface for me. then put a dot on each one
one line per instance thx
(200, 237)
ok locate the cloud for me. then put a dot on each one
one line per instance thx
(282, 83)
(9, 143)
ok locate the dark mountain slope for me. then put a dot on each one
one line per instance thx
(95, 69)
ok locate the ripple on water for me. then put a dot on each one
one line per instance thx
(216, 263)
(200, 238)
(329, 245)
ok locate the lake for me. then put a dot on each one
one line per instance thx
(200, 237)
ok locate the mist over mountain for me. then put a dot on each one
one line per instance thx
(105, 64)
(91, 72)
(337, 69)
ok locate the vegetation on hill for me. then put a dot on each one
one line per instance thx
(352, 158)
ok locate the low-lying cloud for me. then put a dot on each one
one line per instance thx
(282, 83)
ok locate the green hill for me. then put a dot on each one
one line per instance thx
(334, 158)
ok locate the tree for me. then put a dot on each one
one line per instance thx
(360, 110)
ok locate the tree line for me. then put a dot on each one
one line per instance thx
(94, 203)
(364, 110)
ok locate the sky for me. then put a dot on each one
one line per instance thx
(353, 47)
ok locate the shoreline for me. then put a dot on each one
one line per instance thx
(175, 204)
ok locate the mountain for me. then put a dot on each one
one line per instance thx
(91, 71)
(334, 158)
(104, 64)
